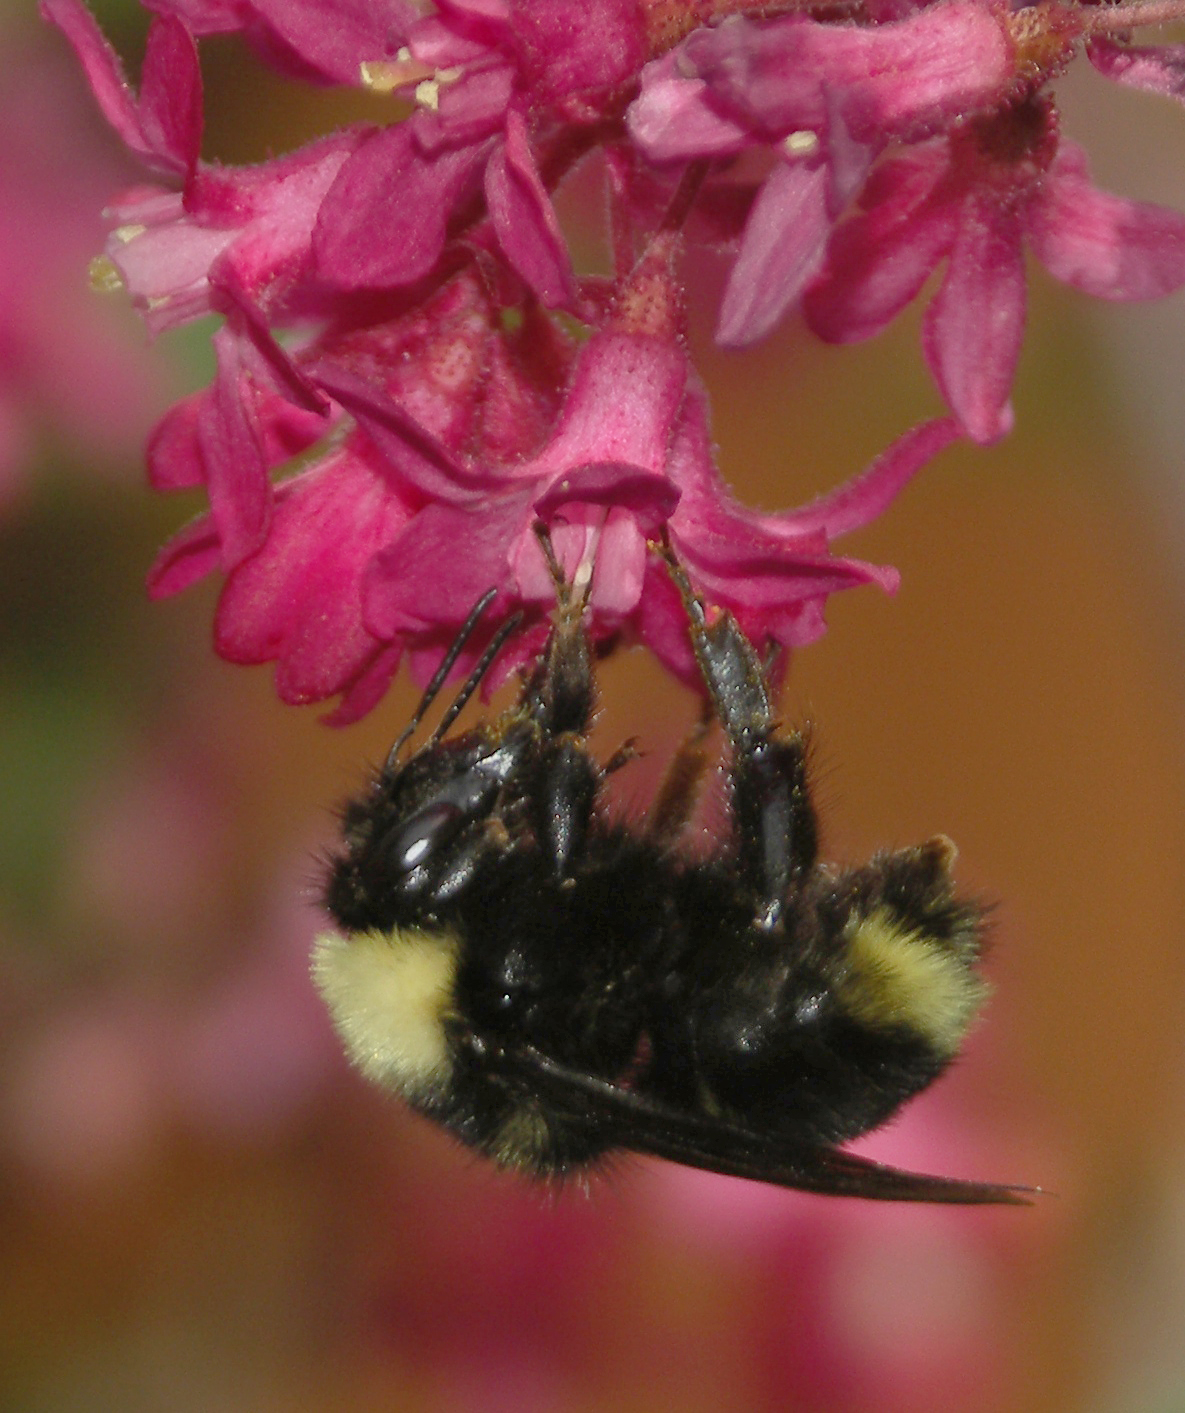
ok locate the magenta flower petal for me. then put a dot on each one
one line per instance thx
(1157, 69)
(649, 499)
(382, 223)
(674, 119)
(174, 455)
(411, 452)
(232, 450)
(191, 554)
(472, 107)
(570, 49)
(304, 39)
(902, 78)
(973, 328)
(298, 600)
(368, 688)
(406, 592)
(164, 126)
(878, 259)
(861, 500)
(525, 221)
(334, 37)
(624, 397)
(1102, 244)
(163, 257)
(781, 249)
(171, 94)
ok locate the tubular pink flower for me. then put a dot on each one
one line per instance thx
(826, 98)
(974, 199)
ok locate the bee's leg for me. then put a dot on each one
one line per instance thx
(563, 795)
(679, 791)
(560, 693)
(775, 827)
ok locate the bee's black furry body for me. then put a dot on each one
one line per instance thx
(552, 985)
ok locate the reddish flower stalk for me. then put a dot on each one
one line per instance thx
(400, 301)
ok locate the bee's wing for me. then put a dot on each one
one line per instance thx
(646, 1125)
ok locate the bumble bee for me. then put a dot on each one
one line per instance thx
(552, 985)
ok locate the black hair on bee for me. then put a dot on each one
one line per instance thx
(552, 985)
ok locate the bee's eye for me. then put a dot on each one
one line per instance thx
(414, 842)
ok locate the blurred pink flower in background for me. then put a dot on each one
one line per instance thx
(70, 364)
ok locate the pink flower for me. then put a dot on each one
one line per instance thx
(975, 198)
(296, 601)
(493, 77)
(824, 98)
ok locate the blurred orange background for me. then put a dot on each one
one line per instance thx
(202, 1208)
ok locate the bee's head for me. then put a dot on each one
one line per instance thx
(416, 839)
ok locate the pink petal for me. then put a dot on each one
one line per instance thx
(334, 37)
(1156, 69)
(568, 49)
(472, 107)
(781, 250)
(973, 328)
(619, 571)
(900, 78)
(648, 499)
(412, 453)
(368, 688)
(190, 555)
(174, 455)
(525, 220)
(624, 396)
(878, 259)
(171, 94)
(382, 223)
(1102, 244)
(202, 16)
(231, 447)
(436, 570)
(299, 599)
(164, 259)
(861, 500)
(163, 128)
(674, 118)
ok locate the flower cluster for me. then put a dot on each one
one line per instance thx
(412, 373)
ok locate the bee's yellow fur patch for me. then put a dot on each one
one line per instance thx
(388, 994)
(898, 977)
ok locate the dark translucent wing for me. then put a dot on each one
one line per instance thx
(645, 1125)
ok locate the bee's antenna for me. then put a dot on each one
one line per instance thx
(448, 662)
(480, 669)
